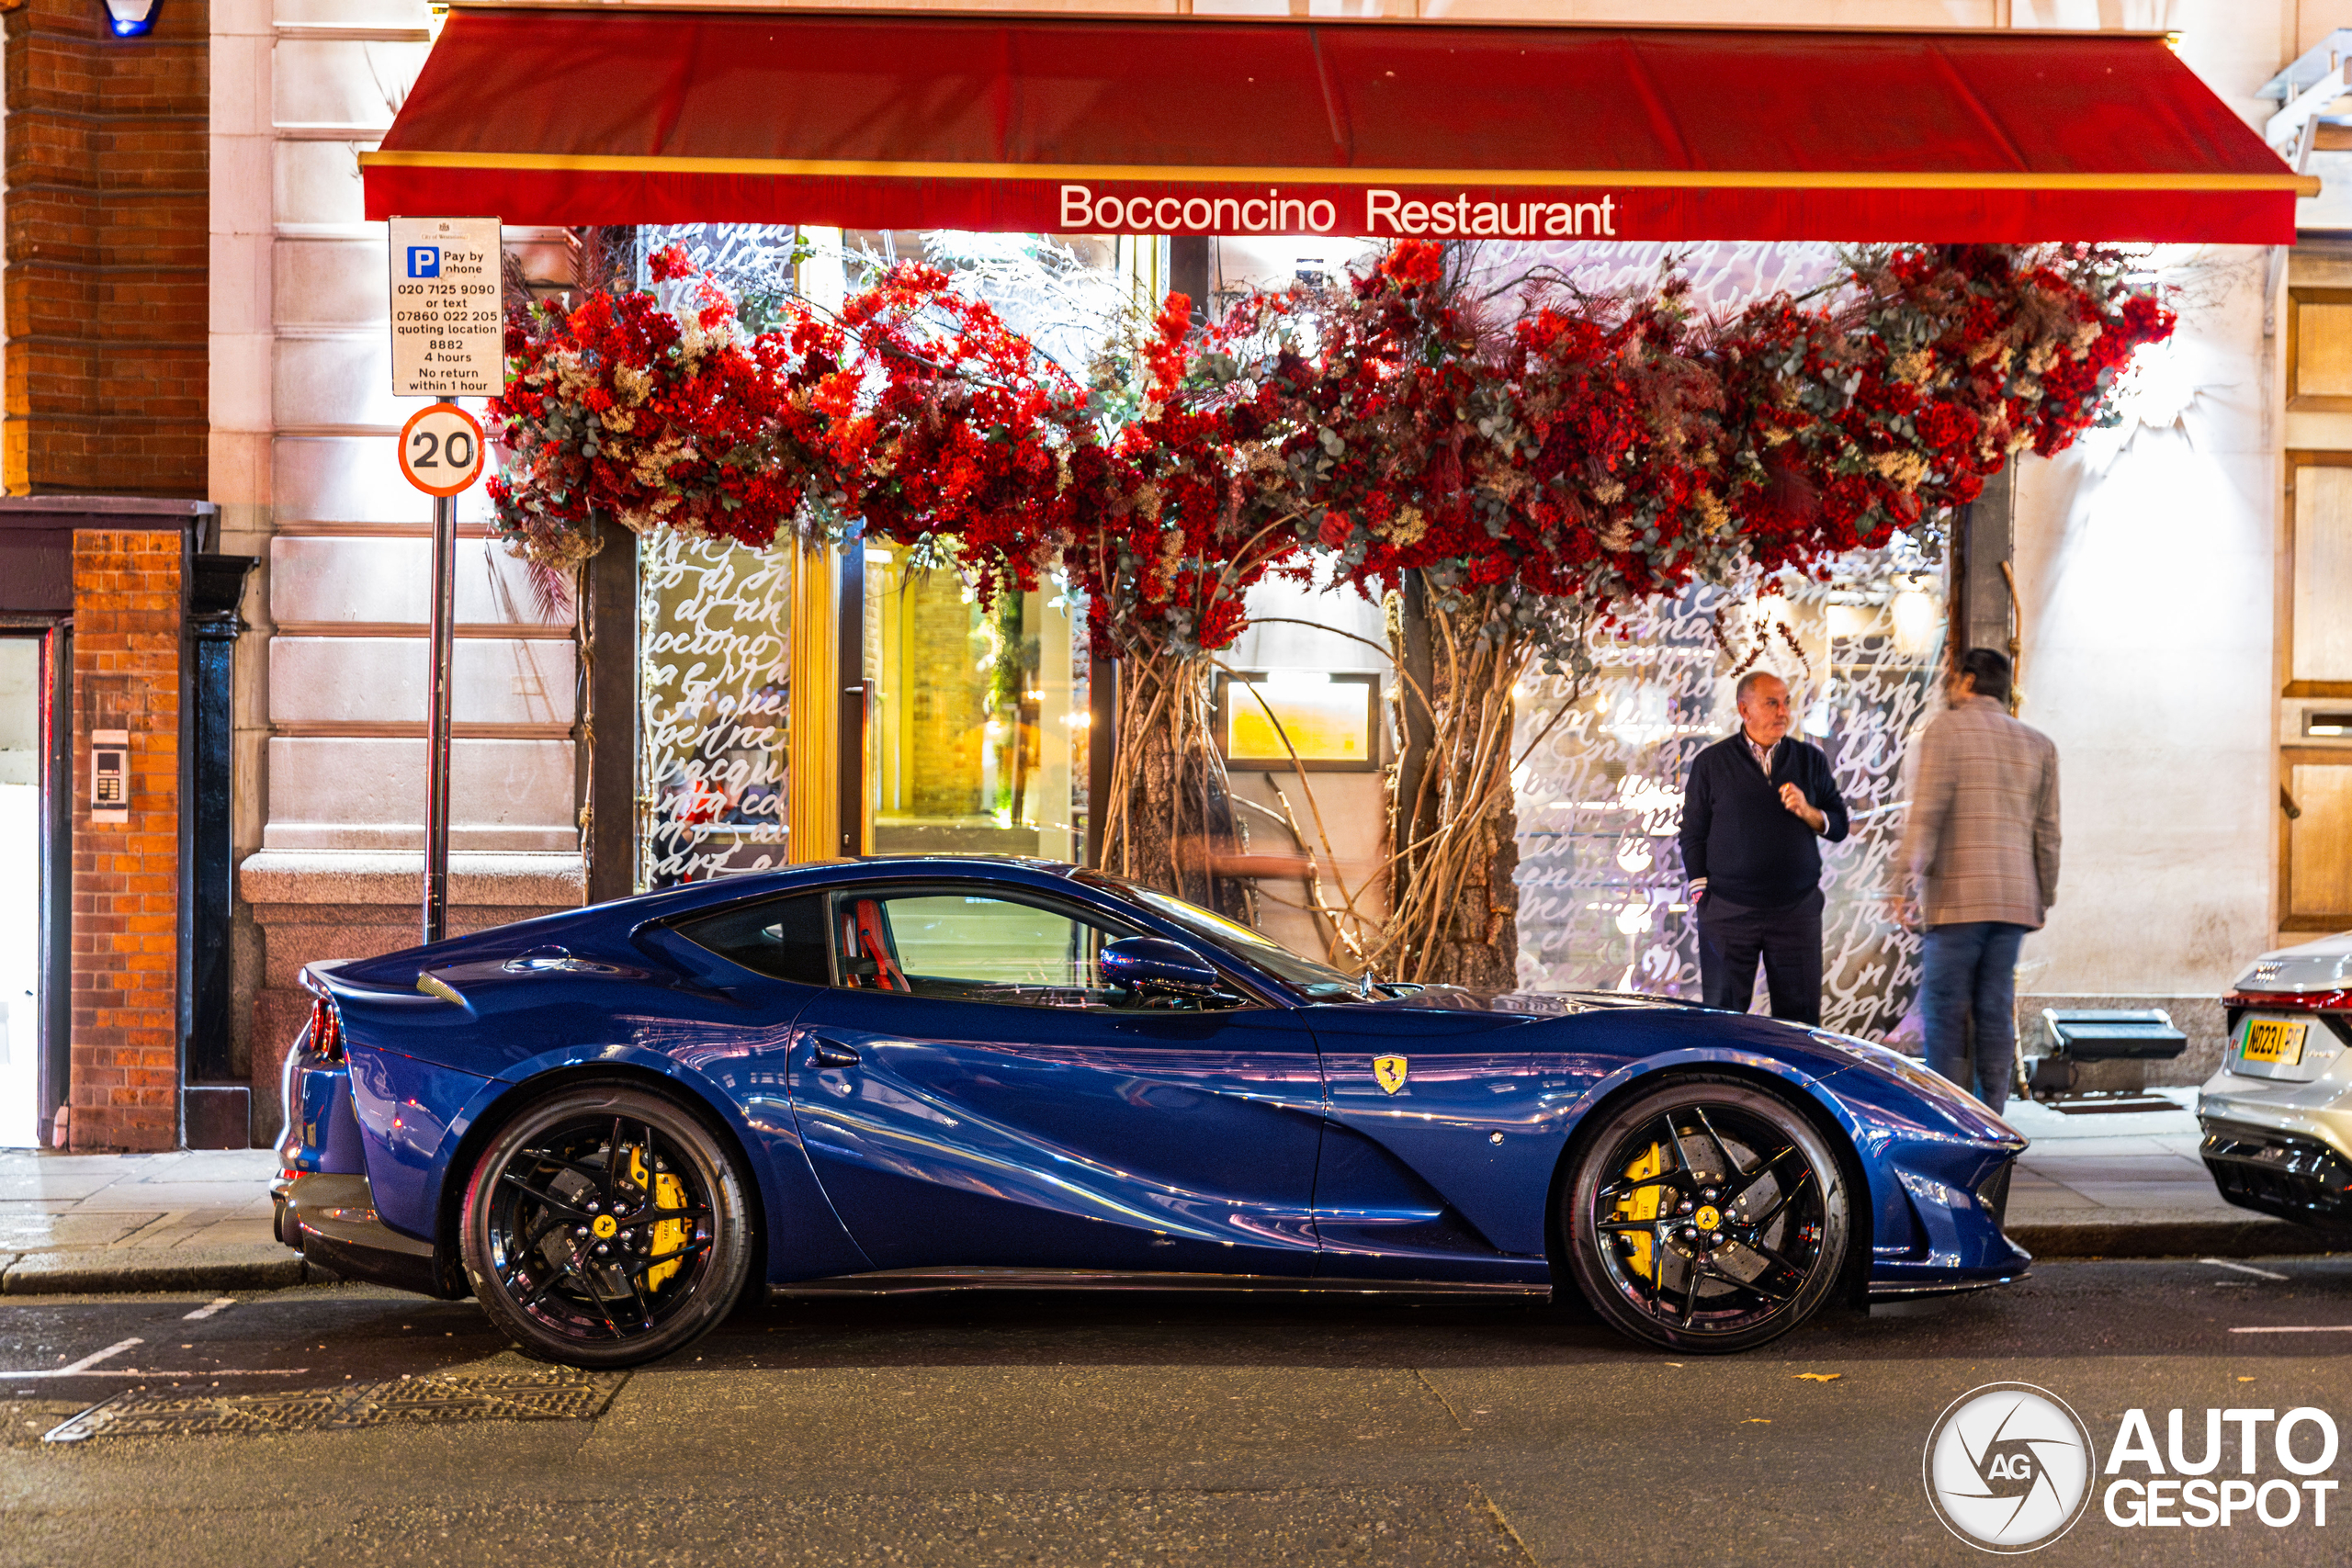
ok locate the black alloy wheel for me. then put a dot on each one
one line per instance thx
(605, 1227)
(1708, 1215)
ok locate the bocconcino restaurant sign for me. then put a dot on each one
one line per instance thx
(1373, 211)
(1386, 130)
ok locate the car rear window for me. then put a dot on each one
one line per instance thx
(780, 937)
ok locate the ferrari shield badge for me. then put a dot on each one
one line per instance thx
(1389, 1071)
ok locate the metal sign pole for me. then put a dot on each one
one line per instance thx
(448, 343)
(436, 745)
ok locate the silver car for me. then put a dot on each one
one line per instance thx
(2278, 1117)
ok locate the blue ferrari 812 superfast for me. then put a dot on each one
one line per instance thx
(607, 1124)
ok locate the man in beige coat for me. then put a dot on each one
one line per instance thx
(1978, 868)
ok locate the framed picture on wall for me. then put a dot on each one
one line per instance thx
(1330, 721)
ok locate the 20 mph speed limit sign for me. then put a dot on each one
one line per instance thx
(441, 449)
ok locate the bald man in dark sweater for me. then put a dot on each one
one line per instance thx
(1753, 812)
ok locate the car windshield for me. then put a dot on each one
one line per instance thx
(1312, 976)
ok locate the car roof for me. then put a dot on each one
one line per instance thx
(612, 921)
(1022, 870)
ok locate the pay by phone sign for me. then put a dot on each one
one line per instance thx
(448, 338)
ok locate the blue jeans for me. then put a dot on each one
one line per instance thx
(1972, 971)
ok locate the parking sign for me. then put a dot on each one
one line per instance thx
(448, 332)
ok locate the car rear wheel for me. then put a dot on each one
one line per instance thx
(1708, 1215)
(605, 1227)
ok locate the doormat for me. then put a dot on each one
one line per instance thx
(556, 1395)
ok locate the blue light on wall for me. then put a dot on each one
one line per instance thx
(131, 18)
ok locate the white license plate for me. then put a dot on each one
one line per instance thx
(2279, 1041)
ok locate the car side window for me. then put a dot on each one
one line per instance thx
(970, 947)
(783, 938)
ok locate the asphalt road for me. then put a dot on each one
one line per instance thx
(1040, 1429)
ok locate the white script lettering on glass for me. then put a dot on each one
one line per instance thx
(715, 695)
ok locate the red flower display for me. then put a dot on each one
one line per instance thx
(1588, 451)
(1601, 449)
(620, 406)
(962, 431)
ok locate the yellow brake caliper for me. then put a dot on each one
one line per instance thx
(669, 1235)
(1641, 1204)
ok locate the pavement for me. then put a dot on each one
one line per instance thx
(192, 1219)
(2131, 1184)
(2111, 1184)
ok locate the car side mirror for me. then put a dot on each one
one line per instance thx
(1155, 967)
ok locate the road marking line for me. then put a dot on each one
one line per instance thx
(167, 1372)
(82, 1367)
(86, 1362)
(88, 1366)
(2302, 1329)
(209, 1311)
(2216, 1262)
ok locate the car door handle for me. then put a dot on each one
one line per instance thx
(826, 1053)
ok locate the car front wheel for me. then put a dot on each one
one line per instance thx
(1707, 1214)
(605, 1227)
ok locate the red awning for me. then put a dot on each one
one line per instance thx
(1183, 124)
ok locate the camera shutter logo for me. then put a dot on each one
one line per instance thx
(2009, 1467)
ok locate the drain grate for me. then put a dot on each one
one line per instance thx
(552, 1395)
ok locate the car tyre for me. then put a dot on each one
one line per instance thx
(1707, 1214)
(605, 1227)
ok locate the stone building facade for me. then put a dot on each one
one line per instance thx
(331, 704)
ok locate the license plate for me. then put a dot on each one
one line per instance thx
(2275, 1040)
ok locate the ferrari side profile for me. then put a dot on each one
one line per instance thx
(607, 1124)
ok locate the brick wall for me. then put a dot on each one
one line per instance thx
(125, 1083)
(105, 236)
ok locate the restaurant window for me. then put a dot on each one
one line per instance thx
(977, 713)
(1603, 900)
(976, 723)
(2315, 728)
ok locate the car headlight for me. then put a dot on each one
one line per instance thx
(1914, 1075)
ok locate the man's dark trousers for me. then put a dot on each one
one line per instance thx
(1732, 937)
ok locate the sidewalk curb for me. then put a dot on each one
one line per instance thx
(2226, 1236)
(114, 1270)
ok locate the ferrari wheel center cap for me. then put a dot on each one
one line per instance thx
(1707, 1218)
(605, 1227)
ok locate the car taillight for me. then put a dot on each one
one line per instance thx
(326, 1030)
(2339, 999)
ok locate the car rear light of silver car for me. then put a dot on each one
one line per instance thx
(2339, 999)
